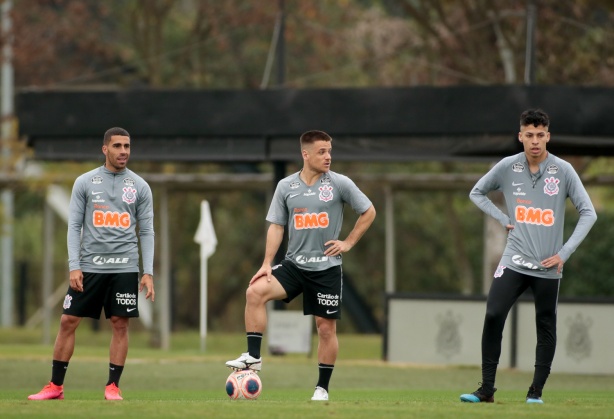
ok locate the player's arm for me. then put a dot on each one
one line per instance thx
(364, 221)
(581, 200)
(274, 237)
(146, 238)
(478, 195)
(76, 217)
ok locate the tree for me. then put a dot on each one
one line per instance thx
(483, 41)
(60, 42)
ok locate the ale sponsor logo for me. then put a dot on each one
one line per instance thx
(314, 259)
(99, 260)
(520, 261)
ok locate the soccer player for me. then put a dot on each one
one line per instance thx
(535, 184)
(310, 204)
(106, 204)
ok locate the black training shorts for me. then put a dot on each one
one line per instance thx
(116, 292)
(321, 289)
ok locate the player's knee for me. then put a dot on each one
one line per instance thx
(493, 318)
(254, 295)
(326, 329)
(119, 324)
(69, 323)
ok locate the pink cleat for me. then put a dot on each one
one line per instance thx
(112, 392)
(49, 392)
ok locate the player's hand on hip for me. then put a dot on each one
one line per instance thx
(553, 261)
(76, 280)
(336, 247)
(147, 282)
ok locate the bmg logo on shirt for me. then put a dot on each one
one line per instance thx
(532, 215)
(311, 220)
(111, 219)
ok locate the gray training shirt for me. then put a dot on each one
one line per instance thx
(536, 208)
(108, 206)
(314, 215)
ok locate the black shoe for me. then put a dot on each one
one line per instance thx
(479, 396)
(534, 395)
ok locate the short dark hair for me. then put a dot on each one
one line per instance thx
(535, 117)
(114, 131)
(310, 137)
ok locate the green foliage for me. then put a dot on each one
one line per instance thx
(238, 219)
(588, 271)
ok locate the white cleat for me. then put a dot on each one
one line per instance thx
(245, 362)
(320, 394)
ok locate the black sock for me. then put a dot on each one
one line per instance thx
(326, 370)
(58, 372)
(115, 373)
(254, 341)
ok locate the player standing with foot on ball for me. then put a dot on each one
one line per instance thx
(103, 256)
(535, 185)
(310, 203)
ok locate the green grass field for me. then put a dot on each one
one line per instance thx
(185, 383)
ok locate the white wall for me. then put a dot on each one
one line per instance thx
(449, 332)
(445, 332)
(585, 338)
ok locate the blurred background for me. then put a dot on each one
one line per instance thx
(440, 241)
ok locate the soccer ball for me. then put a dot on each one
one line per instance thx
(243, 384)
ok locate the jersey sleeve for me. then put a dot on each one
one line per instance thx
(580, 199)
(145, 217)
(353, 195)
(491, 181)
(278, 213)
(76, 214)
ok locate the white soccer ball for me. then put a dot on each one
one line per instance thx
(243, 384)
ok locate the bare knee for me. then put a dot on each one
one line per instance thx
(327, 328)
(69, 324)
(120, 324)
(255, 295)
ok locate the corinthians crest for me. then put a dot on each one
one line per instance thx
(129, 195)
(578, 343)
(448, 341)
(552, 186)
(326, 193)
